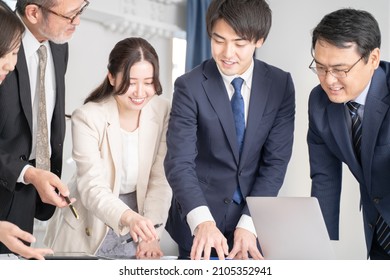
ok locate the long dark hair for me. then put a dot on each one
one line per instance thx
(122, 57)
(11, 29)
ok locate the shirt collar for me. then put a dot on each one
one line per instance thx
(247, 76)
(361, 99)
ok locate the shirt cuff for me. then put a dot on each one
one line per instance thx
(197, 216)
(21, 176)
(246, 222)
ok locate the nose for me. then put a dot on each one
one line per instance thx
(76, 20)
(229, 50)
(139, 91)
(329, 78)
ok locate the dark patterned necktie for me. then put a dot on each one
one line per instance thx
(237, 104)
(42, 157)
(382, 228)
(356, 127)
(383, 234)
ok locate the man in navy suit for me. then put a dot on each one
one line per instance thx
(204, 164)
(27, 192)
(346, 55)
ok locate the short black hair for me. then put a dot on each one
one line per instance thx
(250, 19)
(345, 26)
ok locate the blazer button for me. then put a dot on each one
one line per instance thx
(3, 182)
(376, 200)
(23, 158)
(227, 201)
(87, 232)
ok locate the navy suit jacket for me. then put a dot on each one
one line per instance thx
(203, 165)
(20, 203)
(330, 144)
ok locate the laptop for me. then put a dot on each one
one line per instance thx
(290, 228)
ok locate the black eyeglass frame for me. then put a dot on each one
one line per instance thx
(340, 73)
(71, 19)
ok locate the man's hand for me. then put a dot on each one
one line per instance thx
(46, 184)
(244, 243)
(208, 236)
(12, 236)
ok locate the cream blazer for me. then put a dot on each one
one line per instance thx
(97, 151)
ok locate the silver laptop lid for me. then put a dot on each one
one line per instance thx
(290, 228)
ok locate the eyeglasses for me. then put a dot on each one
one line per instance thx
(72, 18)
(337, 73)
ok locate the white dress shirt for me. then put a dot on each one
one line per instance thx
(129, 161)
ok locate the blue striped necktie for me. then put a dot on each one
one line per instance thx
(237, 103)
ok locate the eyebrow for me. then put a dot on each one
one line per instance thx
(75, 9)
(331, 66)
(147, 78)
(223, 38)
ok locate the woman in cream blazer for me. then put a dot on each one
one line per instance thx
(124, 101)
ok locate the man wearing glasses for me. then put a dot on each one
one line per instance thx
(29, 183)
(349, 122)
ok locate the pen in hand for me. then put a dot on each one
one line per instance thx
(131, 239)
(74, 212)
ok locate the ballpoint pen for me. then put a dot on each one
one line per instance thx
(74, 212)
(131, 239)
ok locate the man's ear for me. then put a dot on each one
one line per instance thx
(32, 13)
(374, 57)
(259, 42)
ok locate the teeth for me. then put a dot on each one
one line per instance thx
(229, 62)
(137, 100)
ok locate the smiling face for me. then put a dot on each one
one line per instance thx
(141, 88)
(232, 53)
(329, 57)
(8, 62)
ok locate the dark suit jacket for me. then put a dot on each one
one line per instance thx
(202, 163)
(330, 144)
(20, 203)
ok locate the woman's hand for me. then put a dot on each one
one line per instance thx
(141, 228)
(149, 250)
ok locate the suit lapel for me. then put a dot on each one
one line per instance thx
(258, 99)
(339, 127)
(374, 113)
(147, 140)
(219, 100)
(59, 67)
(114, 139)
(24, 86)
